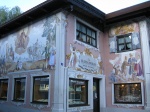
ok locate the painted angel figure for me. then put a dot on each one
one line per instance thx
(72, 57)
(52, 57)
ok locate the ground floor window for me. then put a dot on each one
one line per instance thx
(40, 89)
(19, 89)
(3, 89)
(78, 92)
(128, 93)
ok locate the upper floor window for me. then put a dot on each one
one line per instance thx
(124, 43)
(3, 89)
(19, 89)
(40, 89)
(86, 34)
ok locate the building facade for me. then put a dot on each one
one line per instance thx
(74, 58)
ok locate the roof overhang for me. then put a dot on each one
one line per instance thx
(135, 13)
(79, 8)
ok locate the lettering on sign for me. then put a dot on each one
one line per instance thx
(87, 63)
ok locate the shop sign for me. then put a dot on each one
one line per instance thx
(87, 63)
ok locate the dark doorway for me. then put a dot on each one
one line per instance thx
(96, 95)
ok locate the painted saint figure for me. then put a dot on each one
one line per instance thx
(52, 57)
(131, 62)
(138, 69)
(72, 57)
(124, 66)
(46, 51)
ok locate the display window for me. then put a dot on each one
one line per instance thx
(3, 89)
(40, 89)
(78, 92)
(128, 93)
(19, 89)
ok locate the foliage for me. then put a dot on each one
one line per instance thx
(6, 14)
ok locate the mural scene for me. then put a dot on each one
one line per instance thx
(84, 61)
(126, 67)
(33, 47)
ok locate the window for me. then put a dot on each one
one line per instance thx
(128, 93)
(86, 34)
(40, 89)
(3, 89)
(124, 43)
(19, 89)
(78, 92)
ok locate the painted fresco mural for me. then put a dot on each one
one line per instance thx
(84, 60)
(124, 29)
(126, 67)
(32, 47)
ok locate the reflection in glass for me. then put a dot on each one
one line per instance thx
(89, 32)
(40, 89)
(128, 93)
(19, 89)
(85, 34)
(77, 92)
(128, 39)
(121, 47)
(121, 40)
(3, 89)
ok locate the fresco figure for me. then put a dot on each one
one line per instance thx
(131, 62)
(117, 69)
(124, 66)
(19, 65)
(52, 57)
(21, 42)
(72, 57)
(138, 69)
(46, 51)
(113, 77)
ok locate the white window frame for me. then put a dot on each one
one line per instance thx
(119, 104)
(13, 85)
(31, 87)
(90, 26)
(7, 88)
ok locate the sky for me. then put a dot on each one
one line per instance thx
(106, 6)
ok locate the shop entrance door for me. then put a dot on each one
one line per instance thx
(96, 99)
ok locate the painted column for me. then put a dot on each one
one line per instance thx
(146, 60)
(58, 105)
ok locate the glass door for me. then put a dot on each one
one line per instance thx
(96, 104)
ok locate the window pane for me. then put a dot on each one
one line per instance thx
(88, 40)
(83, 37)
(93, 42)
(78, 26)
(129, 47)
(121, 47)
(77, 92)
(19, 89)
(128, 39)
(93, 34)
(121, 40)
(3, 89)
(83, 29)
(128, 93)
(83, 33)
(40, 90)
(89, 32)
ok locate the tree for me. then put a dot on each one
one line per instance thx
(3, 14)
(6, 14)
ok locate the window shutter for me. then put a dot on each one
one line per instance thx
(113, 44)
(136, 41)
